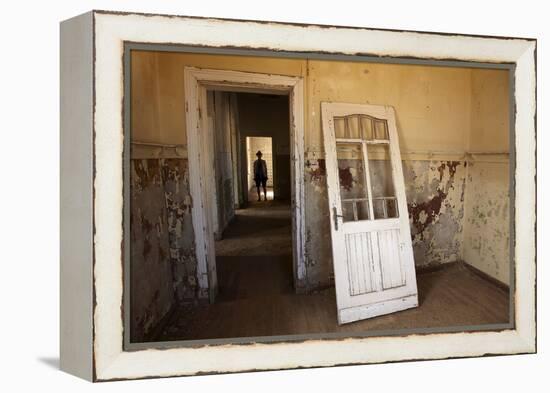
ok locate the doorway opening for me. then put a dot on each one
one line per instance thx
(237, 105)
(248, 128)
(254, 254)
(264, 146)
(253, 238)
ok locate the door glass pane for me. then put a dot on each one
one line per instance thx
(383, 192)
(347, 127)
(381, 129)
(340, 127)
(367, 128)
(352, 180)
(360, 127)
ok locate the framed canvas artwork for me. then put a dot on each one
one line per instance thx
(245, 195)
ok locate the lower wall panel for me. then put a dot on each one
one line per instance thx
(163, 264)
(181, 238)
(487, 223)
(435, 200)
(318, 258)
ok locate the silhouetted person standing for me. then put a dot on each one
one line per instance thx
(260, 175)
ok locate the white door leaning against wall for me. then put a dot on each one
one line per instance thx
(371, 242)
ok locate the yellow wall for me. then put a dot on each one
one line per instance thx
(436, 106)
(432, 103)
(158, 91)
(490, 111)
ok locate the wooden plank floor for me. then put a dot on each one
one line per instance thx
(256, 298)
(262, 229)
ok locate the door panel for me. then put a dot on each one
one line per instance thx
(390, 258)
(360, 260)
(371, 243)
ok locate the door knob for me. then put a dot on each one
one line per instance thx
(335, 217)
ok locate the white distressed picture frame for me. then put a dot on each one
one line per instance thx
(92, 147)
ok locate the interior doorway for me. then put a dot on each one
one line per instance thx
(253, 240)
(218, 164)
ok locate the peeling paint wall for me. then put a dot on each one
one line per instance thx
(435, 200)
(181, 240)
(487, 226)
(151, 298)
(442, 114)
(163, 264)
(319, 270)
(435, 195)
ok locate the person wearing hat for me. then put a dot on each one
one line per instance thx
(260, 175)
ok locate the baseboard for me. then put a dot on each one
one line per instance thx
(441, 266)
(435, 267)
(485, 276)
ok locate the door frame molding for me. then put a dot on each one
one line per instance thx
(196, 82)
